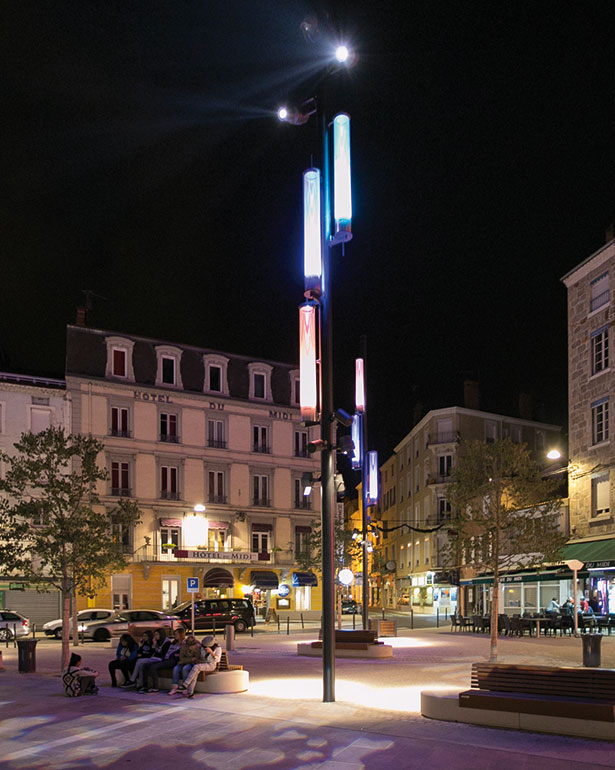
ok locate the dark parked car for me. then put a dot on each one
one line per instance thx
(350, 607)
(217, 612)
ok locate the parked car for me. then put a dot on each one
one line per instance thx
(54, 627)
(12, 624)
(350, 607)
(217, 612)
(118, 623)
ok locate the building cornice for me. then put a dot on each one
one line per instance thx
(592, 262)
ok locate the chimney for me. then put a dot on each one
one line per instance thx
(525, 406)
(81, 317)
(471, 394)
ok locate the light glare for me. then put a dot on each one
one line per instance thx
(342, 192)
(342, 53)
(282, 113)
(308, 386)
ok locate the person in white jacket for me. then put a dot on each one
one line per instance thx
(211, 652)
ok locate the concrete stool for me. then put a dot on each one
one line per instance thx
(224, 682)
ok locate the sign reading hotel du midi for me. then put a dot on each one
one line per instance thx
(213, 555)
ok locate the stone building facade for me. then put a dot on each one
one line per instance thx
(186, 427)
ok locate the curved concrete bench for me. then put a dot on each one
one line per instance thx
(372, 651)
(224, 682)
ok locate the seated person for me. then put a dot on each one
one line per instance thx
(189, 654)
(553, 606)
(78, 679)
(211, 652)
(148, 653)
(125, 658)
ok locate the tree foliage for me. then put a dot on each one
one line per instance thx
(50, 533)
(506, 514)
(346, 549)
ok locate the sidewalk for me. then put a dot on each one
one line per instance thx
(281, 722)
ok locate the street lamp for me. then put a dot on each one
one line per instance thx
(575, 565)
(317, 242)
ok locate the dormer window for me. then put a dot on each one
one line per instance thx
(119, 359)
(260, 381)
(168, 371)
(216, 380)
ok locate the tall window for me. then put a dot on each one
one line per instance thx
(121, 535)
(600, 350)
(302, 541)
(168, 370)
(260, 381)
(444, 509)
(215, 434)
(261, 490)
(426, 553)
(599, 291)
(169, 482)
(301, 442)
(491, 431)
(600, 421)
(260, 541)
(40, 419)
(120, 421)
(168, 427)
(119, 358)
(169, 539)
(216, 369)
(120, 480)
(215, 378)
(259, 385)
(600, 495)
(301, 499)
(215, 485)
(444, 465)
(260, 439)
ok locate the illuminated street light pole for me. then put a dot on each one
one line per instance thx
(317, 243)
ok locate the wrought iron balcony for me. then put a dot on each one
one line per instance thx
(216, 443)
(262, 502)
(451, 437)
(302, 452)
(120, 491)
(167, 494)
(261, 449)
(303, 504)
(188, 554)
(169, 438)
(118, 433)
(220, 499)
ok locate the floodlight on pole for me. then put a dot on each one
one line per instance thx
(342, 53)
(308, 381)
(342, 190)
(283, 113)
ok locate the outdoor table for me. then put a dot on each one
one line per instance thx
(536, 622)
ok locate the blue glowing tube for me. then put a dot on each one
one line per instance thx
(312, 258)
(342, 202)
(372, 478)
(356, 434)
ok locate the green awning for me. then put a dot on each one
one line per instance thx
(595, 554)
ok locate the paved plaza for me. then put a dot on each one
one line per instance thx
(281, 723)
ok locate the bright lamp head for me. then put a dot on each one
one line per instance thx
(342, 53)
(282, 113)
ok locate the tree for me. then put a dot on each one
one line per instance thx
(506, 514)
(346, 548)
(50, 533)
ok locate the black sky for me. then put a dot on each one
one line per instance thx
(143, 161)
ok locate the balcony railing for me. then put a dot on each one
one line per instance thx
(302, 452)
(169, 438)
(118, 433)
(443, 479)
(120, 491)
(303, 504)
(262, 449)
(216, 443)
(220, 499)
(262, 502)
(167, 494)
(451, 437)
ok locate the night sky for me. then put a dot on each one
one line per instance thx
(143, 161)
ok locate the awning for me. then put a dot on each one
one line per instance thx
(304, 579)
(218, 525)
(595, 554)
(217, 577)
(170, 522)
(263, 579)
(262, 527)
(562, 573)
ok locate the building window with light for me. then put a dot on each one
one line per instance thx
(120, 421)
(302, 500)
(599, 289)
(169, 482)
(601, 505)
(600, 421)
(216, 433)
(216, 374)
(119, 358)
(600, 350)
(169, 431)
(168, 372)
(260, 381)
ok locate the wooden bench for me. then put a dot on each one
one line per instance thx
(383, 627)
(575, 693)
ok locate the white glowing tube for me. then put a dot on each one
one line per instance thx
(356, 434)
(342, 197)
(359, 388)
(372, 478)
(308, 385)
(312, 258)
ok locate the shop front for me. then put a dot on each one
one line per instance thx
(598, 556)
(264, 583)
(217, 583)
(303, 582)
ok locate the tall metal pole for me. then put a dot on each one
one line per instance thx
(364, 516)
(327, 427)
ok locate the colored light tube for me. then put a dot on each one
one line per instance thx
(372, 478)
(356, 434)
(312, 257)
(308, 385)
(342, 196)
(359, 388)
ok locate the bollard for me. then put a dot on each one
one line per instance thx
(14, 635)
(1, 664)
(354, 619)
(411, 619)
(27, 656)
(229, 633)
(302, 625)
(278, 617)
(288, 625)
(437, 617)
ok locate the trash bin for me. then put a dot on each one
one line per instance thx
(591, 650)
(26, 650)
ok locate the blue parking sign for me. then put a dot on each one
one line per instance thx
(193, 585)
